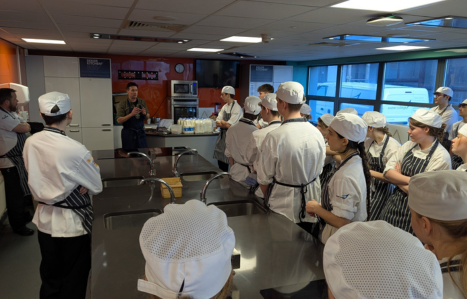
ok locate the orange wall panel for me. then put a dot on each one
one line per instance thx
(9, 72)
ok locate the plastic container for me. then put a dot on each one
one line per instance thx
(176, 185)
(176, 129)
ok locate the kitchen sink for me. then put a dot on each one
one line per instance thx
(121, 182)
(240, 208)
(121, 220)
(193, 177)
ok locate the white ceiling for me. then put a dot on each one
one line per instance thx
(208, 21)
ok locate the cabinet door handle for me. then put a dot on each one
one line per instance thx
(106, 130)
(74, 131)
(74, 125)
(106, 125)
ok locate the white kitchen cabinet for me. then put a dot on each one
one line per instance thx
(69, 86)
(57, 66)
(98, 138)
(75, 133)
(96, 102)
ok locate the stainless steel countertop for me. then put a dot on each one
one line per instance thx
(274, 251)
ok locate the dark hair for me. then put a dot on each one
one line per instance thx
(360, 148)
(50, 120)
(274, 113)
(130, 85)
(250, 116)
(384, 130)
(292, 107)
(438, 133)
(266, 88)
(321, 122)
(5, 94)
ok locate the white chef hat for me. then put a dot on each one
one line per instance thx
(228, 89)
(326, 118)
(464, 102)
(428, 118)
(51, 99)
(377, 260)
(189, 245)
(374, 119)
(305, 109)
(269, 101)
(251, 105)
(440, 195)
(350, 126)
(348, 110)
(463, 131)
(291, 92)
(445, 90)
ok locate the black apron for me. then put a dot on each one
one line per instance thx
(325, 199)
(80, 204)
(219, 149)
(379, 190)
(396, 211)
(326, 174)
(133, 134)
(456, 161)
(16, 157)
(303, 187)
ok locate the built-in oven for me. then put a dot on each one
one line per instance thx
(179, 107)
(179, 88)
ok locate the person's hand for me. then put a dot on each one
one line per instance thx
(83, 190)
(135, 111)
(311, 207)
(143, 111)
(398, 167)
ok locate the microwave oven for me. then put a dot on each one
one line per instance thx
(184, 89)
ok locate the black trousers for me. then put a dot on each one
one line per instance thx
(223, 166)
(15, 201)
(65, 266)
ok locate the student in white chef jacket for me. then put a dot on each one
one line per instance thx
(456, 160)
(438, 204)
(305, 111)
(421, 154)
(270, 115)
(376, 260)
(443, 96)
(229, 115)
(292, 157)
(237, 140)
(262, 91)
(459, 147)
(62, 176)
(380, 147)
(323, 124)
(346, 197)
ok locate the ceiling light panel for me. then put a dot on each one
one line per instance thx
(204, 50)
(447, 22)
(402, 48)
(242, 39)
(378, 39)
(384, 5)
(44, 41)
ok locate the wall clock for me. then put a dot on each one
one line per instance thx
(179, 68)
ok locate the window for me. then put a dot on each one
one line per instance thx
(322, 81)
(410, 81)
(359, 81)
(398, 114)
(456, 78)
(360, 108)
(319, 108)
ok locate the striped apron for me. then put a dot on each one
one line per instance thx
(219, 149)
(380, 191)
(79, 203)
(16, 157)
(396, 211)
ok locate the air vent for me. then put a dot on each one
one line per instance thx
(134, 25)
(236, 54)
(340, 44)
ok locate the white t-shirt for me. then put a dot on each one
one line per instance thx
(8, 138)
(235, 114)
(450, 291)
(376, 148)
(455, 129)
(449, 116)
(57, 165)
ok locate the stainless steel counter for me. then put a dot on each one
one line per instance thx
(274, 251)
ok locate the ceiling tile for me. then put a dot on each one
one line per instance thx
(333, 16)
(204, 7)
(146, 33)
(213, 30)
(77, 20)
(195, 36)
(87, 10)
(315, 3)
(287, 25)
(248, 9)
(75, 29)
(440, 9)
(181, 18)
(233, 22)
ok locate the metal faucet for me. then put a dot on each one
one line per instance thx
(205, 188)
(153, 179)
(174, 170)
(152, 171)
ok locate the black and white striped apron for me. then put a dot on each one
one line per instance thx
(380, 191)
(456, 161)
(325, 199)
(79, 203)
(219, 149)
(16, 157)
(396, 211)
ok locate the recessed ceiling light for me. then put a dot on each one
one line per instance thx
(44, 41)
(96, 35)
(242, 39)
(293, 27)
(205, 50)
(390, 6)
(402, 48)
(448, 18)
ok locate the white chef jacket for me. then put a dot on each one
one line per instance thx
(449, 116)
(261, 122)
(463, 167)
(329, 158)
(376, 148)
(441, 160)
(455, 129)
(294, 154)
(235, 115)
(8, 137)
(236, 144)
(57, 165)
(347, 191)
(450, 291)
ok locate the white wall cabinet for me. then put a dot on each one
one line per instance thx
(69, 86)
(75, 133)
(58, 66)
(96, 102)
(98, 138)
